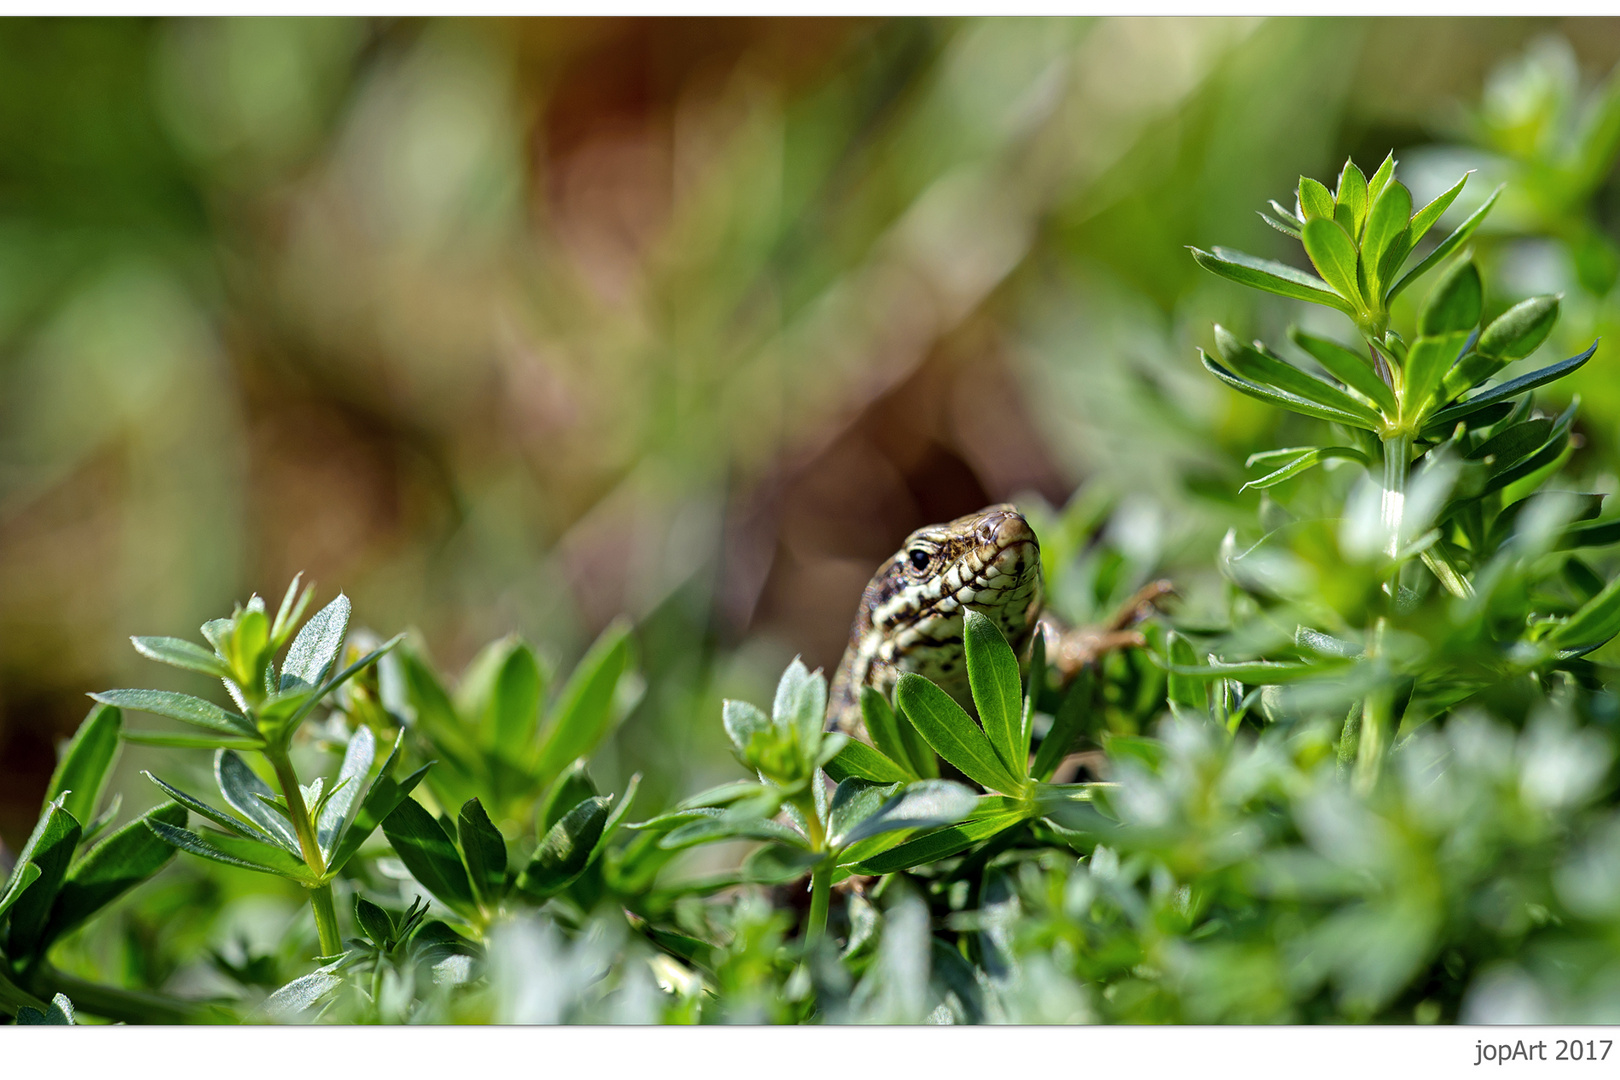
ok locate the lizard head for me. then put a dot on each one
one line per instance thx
(989, 561)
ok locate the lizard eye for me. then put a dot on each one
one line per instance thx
(919, 558)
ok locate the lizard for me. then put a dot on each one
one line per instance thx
(910, 614)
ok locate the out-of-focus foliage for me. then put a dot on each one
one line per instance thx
(661, 334)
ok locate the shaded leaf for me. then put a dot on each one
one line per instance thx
(1353, 370)
(860, 761)
(566, 849)
(925, 804)
(357, 760)
(111, 868)
(484, 850)
(246, 794)
(430, 855)
(952, 733)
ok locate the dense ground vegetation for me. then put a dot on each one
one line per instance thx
(1365, 770)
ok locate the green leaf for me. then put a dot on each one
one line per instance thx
(1590, 534)
(380, 800)
(374, 922)
(952, 733)
(573, 786)
(1190, 694)
(860, 761)
(23, 875)
(358, 757)
(854, 802)
(1595, 622)
(1519, 330)
(1281, 376)
(59, 1014)
(1349, 368)
(566, 849)
(311, 698)
(742, 720)
(1427, 362)
(81, 775)
(1445, 418)
(182, 707)
(779, 864)
(998, 691)
(1454, 303)
(1350, 199)
(1389, 239)
(111, 868)
(246, 647)
(514, 707)
(1281, 225)
(1333, 253)
(1270, 276)
(246, 794)
(1513, 442)
(1446, 247)
(29, 896)
(1314, 200)
(485, 852)
(192, 742)
(1380, 179)
(500, 695)
(1307, 458)
(1291, 402)
(180, 653)
(584, 712)
(290, 611)
(941, 844)
(1506, 471)
(729, 825)
(1425, 218)
(617, 815)
(1071, 717)
(430, 855)
(316, 647)
(202, 809)
(236, 851)
(801, 703)
(926, 804)
(884, 729)
(1253, 672)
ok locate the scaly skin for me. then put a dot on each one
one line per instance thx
(910, 618)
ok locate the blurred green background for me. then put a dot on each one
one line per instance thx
(512, 326)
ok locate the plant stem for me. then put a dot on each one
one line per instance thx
(127, 1006)
(320, 896)
(321, 902)
(821, 876)
(1375, 724)
(820, 894)
(14, 997)
(1392, 507)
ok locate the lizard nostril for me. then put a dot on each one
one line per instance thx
(1011, 529)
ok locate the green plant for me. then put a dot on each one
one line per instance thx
(1457, 572)
(303, 833)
